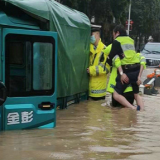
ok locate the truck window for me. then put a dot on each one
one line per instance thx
(18, 49)
(42, 62)
(29, 65)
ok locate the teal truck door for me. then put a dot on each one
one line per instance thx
(30, 75)
(0, 77)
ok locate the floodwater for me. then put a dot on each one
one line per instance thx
(89, 131)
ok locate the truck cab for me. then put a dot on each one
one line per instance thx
(28, 71)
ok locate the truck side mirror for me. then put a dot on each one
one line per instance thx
(3, 93)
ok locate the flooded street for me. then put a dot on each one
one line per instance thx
(89, 131)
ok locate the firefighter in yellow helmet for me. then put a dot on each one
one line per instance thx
(98, 68)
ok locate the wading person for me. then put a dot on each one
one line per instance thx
(130, 69)
(98, 68)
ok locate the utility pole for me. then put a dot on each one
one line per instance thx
(129, 16)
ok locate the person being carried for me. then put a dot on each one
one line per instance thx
(129, 71)
(128, 92)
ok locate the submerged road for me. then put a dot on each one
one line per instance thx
(89, 131)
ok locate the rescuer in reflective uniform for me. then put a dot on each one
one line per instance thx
(128, 93)
(98, 68)
(130, 69)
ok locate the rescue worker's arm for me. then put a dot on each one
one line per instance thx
(140, 74)
(143, 61)
(143, 66)
(116, 62)
(124, 78)
(141, 71)
(115, 50)
(99, 69)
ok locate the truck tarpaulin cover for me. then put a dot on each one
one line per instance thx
(73, 30)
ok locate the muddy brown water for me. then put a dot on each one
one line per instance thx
(89, 131)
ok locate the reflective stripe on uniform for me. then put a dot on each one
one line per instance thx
(143, 60)
(127, 47)
(105, 68)
(97, 70)
(114, 58)
(98, 91)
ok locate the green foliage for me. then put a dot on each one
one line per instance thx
(119, 9)
(102, 9)
(144, 13)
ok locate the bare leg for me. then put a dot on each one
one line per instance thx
(139, 101)
(122, 100)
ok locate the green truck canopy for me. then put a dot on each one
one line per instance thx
(73, 29)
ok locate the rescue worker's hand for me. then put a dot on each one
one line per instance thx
(88, 71)
(124, 78)
(139, 81)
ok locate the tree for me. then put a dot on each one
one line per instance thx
(145, 14)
